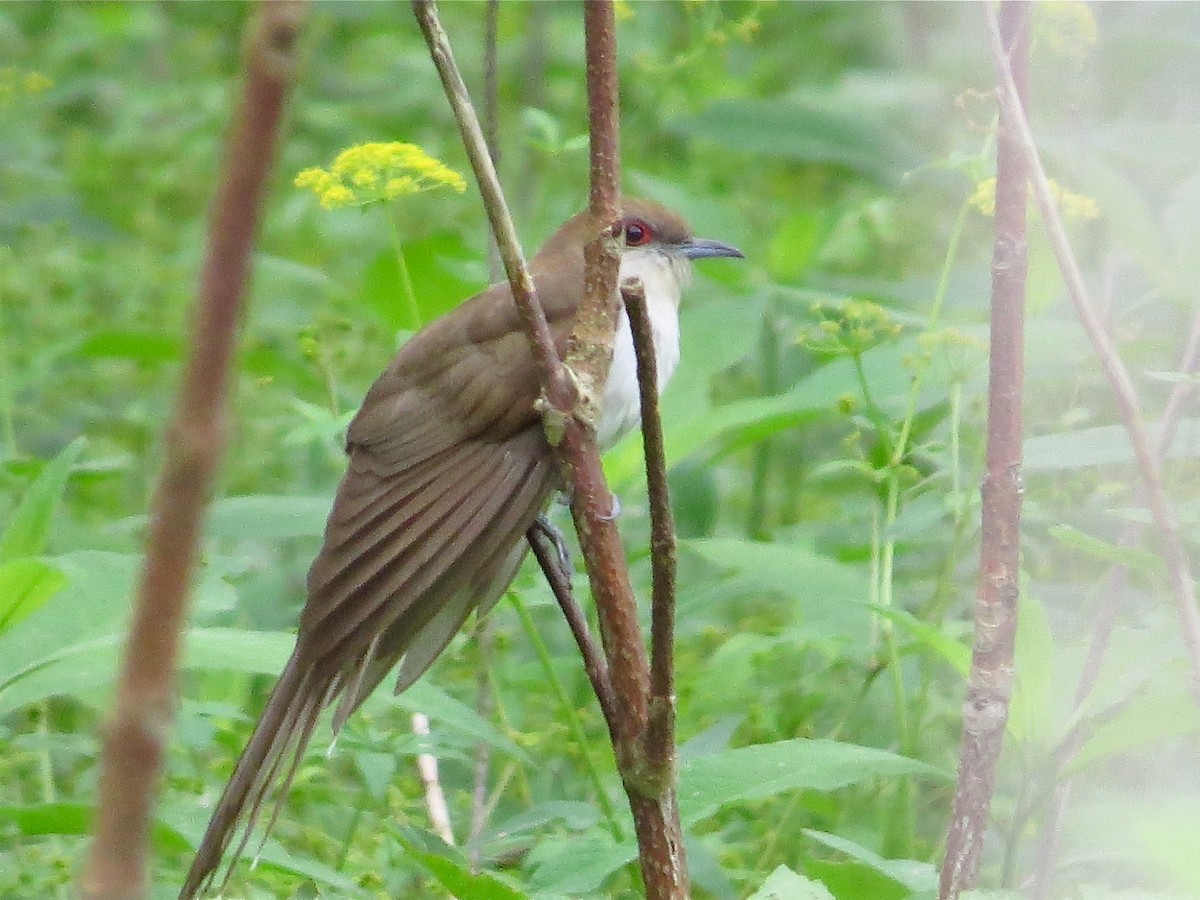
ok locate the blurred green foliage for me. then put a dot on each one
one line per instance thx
(824, 428)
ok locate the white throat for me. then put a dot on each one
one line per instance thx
(664, 277)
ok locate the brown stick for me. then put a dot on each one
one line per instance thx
(560, 585)
(557, 384)
(660, 731)
(650, 788)
(654, 810)
(1172, 548)
(990, 683)
(137, 730)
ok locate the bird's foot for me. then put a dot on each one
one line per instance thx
(543, 524)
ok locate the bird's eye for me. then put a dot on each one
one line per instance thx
(637, 233)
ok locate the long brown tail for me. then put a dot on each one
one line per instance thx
(279, 740)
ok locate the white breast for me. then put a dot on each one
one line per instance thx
(664, 278)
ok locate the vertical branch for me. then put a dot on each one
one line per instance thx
(137, 730)
(1174, 554)
(569, 416)
(990, 683)
(660, 731)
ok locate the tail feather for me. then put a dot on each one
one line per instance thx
(284, 730)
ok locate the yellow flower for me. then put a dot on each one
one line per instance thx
(1066, 27)
(14, 82)
(850, 328)
(368, 173)
(1073, 206)
(984, 198)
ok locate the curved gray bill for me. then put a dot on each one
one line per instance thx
(703, 248)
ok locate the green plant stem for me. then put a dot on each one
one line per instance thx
(355, 820)
(887, 554)
(406, 285)
(574, 725)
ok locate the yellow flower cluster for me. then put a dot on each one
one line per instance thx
(14, 82)
(1074, 206)
(368, 173)
(1066, 28)
(849, 328)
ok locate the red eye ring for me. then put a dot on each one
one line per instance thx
(637, 233)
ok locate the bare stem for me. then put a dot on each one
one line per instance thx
(989, 685)
(560, 585)
(137, 729)
(1173, 552)
(660, 733)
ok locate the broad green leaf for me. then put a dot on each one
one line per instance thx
(807, 129)
(752, 773)
(909, 873)
(577, 865)
(435, 265)
(784, 884)
(26, 584)
(267, 517)
(29, 526)
(88, 613)
(957, 653)
(1103, 445)
(792, 570)
(41, 819)
(1033, 715)
(1138, 560)
(453, 871)
(1144, 720)
(137, 346)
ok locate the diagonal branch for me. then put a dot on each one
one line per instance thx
(137, 729)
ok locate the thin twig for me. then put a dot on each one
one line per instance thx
(559, 389)
(137, 730)
(1172, 548)
(989, 685)
(560, 585)
(660, 731)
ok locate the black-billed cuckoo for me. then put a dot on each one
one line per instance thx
(449, 466)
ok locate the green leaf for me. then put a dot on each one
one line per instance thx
(435, 267)
(752, 773)
(577, 865)
(453, 871)
(79, 627)
(784, 884)
(267, 517)
(830, 596)
(1103, 445)
(807, 129)
(29, 525)
(25, 585)
(1106, 551)
(133, 345)
(909, 873)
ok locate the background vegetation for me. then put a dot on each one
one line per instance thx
(825, 430)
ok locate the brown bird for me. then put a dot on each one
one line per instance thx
(448, 468)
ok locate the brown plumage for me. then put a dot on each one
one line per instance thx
(448, 467)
